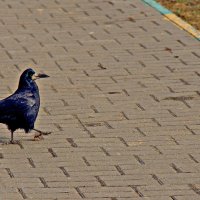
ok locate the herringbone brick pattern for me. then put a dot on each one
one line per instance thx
(122, 102)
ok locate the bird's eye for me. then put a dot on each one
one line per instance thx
(30, 74)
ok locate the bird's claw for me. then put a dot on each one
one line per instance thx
(38, 136)
(12, 142)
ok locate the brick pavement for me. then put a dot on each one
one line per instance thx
(122, 102)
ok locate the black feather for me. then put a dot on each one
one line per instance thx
(20, 110)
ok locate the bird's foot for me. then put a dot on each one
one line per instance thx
(38, 136)
(12, 142)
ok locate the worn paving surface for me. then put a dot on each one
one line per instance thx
(123, 102)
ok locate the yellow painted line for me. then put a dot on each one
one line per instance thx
(184, 25)
(173, 18)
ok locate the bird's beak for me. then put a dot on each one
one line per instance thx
(37, 76)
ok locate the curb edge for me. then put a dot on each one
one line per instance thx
(174, 18)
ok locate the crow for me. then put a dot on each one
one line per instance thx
(20, 110)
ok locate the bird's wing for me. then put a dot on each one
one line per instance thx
(31, 110)
(15, 107)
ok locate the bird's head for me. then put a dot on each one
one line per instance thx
(29, 76)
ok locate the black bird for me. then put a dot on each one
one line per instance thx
(20, 110)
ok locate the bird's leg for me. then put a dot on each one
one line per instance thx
(12, 141)
(40, 133)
